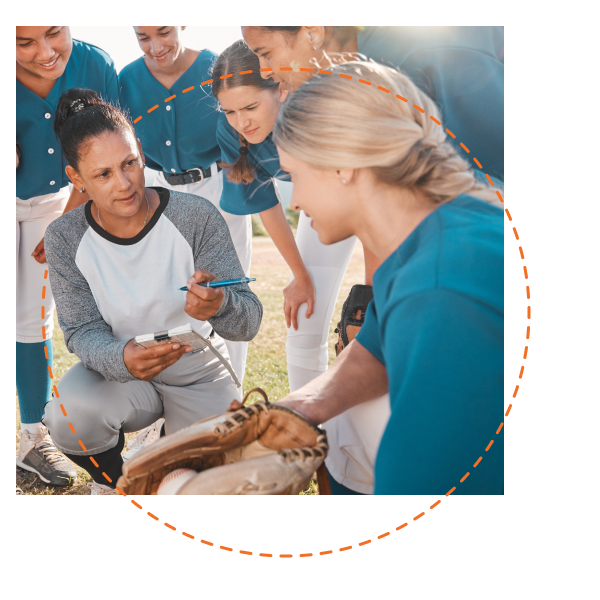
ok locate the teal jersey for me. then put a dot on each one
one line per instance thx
(437, 324)
(42, 166)
(462, 70)
(180, 134)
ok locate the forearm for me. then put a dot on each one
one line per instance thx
(99, 351)
(76, 199)
(355, 377)
(281, 233)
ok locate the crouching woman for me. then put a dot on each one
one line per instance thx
(116, 267)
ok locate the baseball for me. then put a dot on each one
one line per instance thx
(174, 480)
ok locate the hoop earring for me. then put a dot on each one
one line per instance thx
(81, 190)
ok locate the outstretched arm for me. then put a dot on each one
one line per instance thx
(355, 377)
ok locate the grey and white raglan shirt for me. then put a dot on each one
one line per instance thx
(109, 290)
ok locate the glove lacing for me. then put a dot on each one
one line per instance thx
(313, 452)
(236, 420)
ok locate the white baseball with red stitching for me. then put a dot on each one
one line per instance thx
(174, 480)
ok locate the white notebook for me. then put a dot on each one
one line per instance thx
(185, 336)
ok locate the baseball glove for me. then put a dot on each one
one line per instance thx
(261, 448)
(353, 315)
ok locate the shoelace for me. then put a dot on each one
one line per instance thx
(47, 448)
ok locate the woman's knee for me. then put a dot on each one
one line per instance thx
(81, 412)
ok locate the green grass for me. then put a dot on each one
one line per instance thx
(266, 365)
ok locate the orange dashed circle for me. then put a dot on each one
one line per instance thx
(467, 474)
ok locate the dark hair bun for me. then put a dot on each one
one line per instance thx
(82, 115)
(70, 103)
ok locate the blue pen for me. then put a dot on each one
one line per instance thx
(215, 284)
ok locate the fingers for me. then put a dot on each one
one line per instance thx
(287, 311)
(201, 277)
(40, 258)
(203, 293)
(159, 351)
(151, 368)
(311, 306)
(235, 405)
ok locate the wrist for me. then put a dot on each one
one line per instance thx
(302, 274)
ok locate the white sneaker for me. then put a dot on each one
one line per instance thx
(99, 489)
(144, 438)
(38, 454)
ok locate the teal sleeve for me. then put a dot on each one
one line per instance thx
(111, 91)
(368, 336)
(444, 357)
(238, 198)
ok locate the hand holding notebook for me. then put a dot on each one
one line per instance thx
(184, 336)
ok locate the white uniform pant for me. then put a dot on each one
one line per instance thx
(353, 436)
(306, 347)
(240, 229)
(33, 216)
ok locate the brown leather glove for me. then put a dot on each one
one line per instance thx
(257, 449)
(353, 315)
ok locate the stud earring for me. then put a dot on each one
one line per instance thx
(344, 181)
(81, 190)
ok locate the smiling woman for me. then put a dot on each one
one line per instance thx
(42, 56)
(48, 62)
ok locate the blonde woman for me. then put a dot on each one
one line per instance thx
(434, 333)
(462, 70)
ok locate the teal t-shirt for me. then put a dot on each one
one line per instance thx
(180, 134)
(437, 323)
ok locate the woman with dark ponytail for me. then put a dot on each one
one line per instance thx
(49, 62)
(116, 266)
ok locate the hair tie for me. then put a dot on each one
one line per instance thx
(77, 105)
(244, 151)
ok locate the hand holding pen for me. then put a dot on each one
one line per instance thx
(202, 301)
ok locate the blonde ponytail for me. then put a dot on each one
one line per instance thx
(333, 123)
